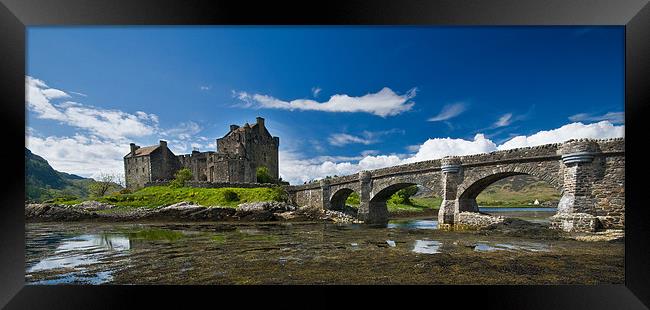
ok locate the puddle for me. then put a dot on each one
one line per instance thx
(426, 246)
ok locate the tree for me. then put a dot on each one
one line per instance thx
(183, 175)
(263, 175)
(103, 184)
(403, 195)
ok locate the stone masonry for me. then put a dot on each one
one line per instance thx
(590, 174)
(239, 153)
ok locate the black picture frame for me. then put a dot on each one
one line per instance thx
(15, 15)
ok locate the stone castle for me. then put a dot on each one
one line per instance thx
(239, 153)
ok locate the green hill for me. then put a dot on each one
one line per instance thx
(42, 182)
(521, 190)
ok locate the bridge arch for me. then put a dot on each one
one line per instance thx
(479, 179)
(339, 197)
(385, 193)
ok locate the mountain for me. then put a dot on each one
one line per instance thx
(42, 182)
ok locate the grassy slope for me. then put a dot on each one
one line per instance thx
(43, 183)
(162, 195)
(417, 205)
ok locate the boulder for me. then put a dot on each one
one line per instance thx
(262, 211)
(92, 205)
(189, 211)
(55, 212)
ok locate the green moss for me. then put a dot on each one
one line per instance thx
(163, 195)
(219, 238)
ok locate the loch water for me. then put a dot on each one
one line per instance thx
(405, 251)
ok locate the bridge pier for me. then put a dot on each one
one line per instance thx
(370, 212)
(325, 193)
(576, 209)
(451, 169)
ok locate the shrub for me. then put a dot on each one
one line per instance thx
(182, 176)
(353, 199)
(230, 195)
(403, 195)
(263, 175)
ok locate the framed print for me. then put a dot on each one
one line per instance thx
(192, 149)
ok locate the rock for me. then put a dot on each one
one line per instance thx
(257, 216)
(189, 211)
(54, 212)
(339, 217)
(92, 205)
(286, 216)
(272, 206)
(477, 220)
(609, 235)
(262, 211)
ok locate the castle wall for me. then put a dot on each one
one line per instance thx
(138, 171)
(254, 143)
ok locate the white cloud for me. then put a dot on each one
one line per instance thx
(183, 131)
(366, 137)
(51, 93)
(504, 120)
(614, 117)
(111, 124)
(369, 152)
(80, 94)
(449, 111)
(296, 169)
(441, 147)
(315, 91)
(600, 130)
(341, 139)
(205, 87)
(383, 103)
(87, 156)
(100, 136)
(413, 148)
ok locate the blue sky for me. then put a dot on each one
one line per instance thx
(341, 99)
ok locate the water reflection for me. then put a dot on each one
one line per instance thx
(198, 253)
(413, 224)
(82, 250)
(515, 246)
(426, 246)
(532, 214)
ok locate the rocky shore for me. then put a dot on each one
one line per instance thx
(249, 212)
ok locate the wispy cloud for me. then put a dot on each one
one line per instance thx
(383, 103)
(614, 117)
(449, 111)
(366, 137)
(504, 120)
(315, 91)
(205, 87)
(80, 94)
(341, 139)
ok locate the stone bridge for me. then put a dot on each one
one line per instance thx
(589, 174)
